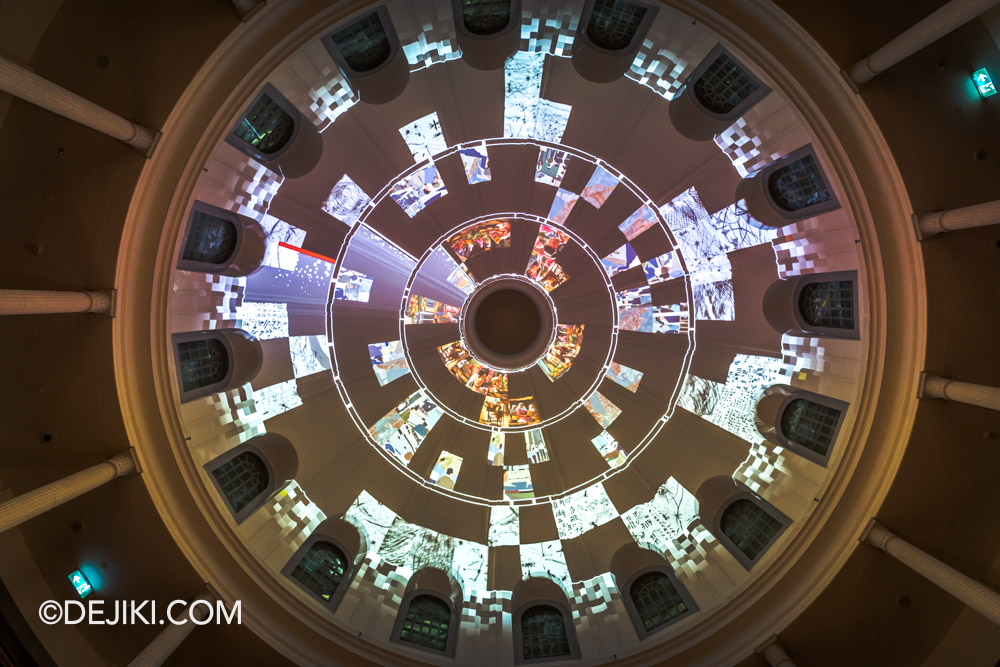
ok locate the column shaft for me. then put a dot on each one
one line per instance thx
(34, 302)
(980, 215)
(937, 25)
(30, 87)
(979, 596)
(29, 505)
(932, 386)
(161, 648)
(774, 653)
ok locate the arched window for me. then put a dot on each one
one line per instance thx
(828, 304)
(656, 600)
(363, 44)
(543, 633)
(203, 362)
(811, 425)
(266, 126)
(485, 17)
(321, 569)
(426, 623)
(724, 85)
(211, 239)
(614, 23)
(798, 184)
(749, 527)
(242, 479)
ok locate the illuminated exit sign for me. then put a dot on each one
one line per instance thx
(984, 83)
(83, 587)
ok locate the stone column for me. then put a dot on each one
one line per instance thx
(22, 83)
(979, 596)
(980, 215)
(937, 25)
(774, 653)
(29, 505)
(40, 302)
(161, 648)
(932, 386)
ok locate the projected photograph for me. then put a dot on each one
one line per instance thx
(477, 164)
(714, 301)
(638, 222)
(546, 272)
(545, 559)
(479, 238)
(517, 482)
(310, 354)
(559, 357)
(276, 399)
(494, 454)
(551, 166)
(602, 409)
(584, 510)
(278, 231)
(402, 430)
(501, 412)
(549, 241)
(347, 201)
(534, 443)
(663, 518)
(445, 471)
(625, 376)
(505, 526)
(488, 382)
(600, 186)
(424, 137)
(665, 267)
(699, 395)
(264, 321)
(523, 86)
(562, 204)
(609, 449)
(495, 412)
(420, 310)
(551, 119)
(460, 278)
(523, 411)
(419, 189)
(620, 260)
(673, 319)
(353, 286)
(388, 361)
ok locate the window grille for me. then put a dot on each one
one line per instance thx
(485, 17)
(543, 633)
(363, 44)
(809, 424)
(750, 527)
(321, 569)
(211, 239)
(242, 479)
(828, 303)
(427, 621)
(798, 184)
(724, 85)
(613, 23)
(656, 600)
(266, 127)
(203, 362)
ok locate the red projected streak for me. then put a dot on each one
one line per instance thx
(307, 252)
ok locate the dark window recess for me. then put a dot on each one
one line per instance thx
(322, 569)
(485, 17)
(203, 362)
(810, 425)
(242, 479)
(266, 127)
(613, 23)
(363, 44)
(543, 633)
(724, 85)
(828, 304)
(426, 623)
(656, 600)
(750, 527)
(798, 185)
(211, 240)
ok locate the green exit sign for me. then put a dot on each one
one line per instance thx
(80, 583)
(984, 82)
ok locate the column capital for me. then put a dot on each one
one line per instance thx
(125, 463)
(877, 535)
(774, 653)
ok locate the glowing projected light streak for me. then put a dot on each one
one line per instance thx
(476, 162)
(388, 361)
(609, 449)
(584, 510)
(984, 82)
(480, 238)
(545, 559)
(310, 354)
(264, 321)
(424, 137)
(542, 266)
(625, 376)
(562, 204)
(353, 286)
(643, 218)
(534, 443)
(559, 357)
(495, 452)
(276, 399)
(551, 166)
(346, 201)
(665, 267)
(402, 430)
(517, 482)
(308, 253)
(414, 192)
(421, 310)
(281, 237)
(603, 410)
(620, 260)
(600, 186)
(445, 471)
(505, 526)
(664, 517)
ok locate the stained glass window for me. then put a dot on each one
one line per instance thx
(203, 362)
(266, 127)
(485, 17)
(426, 623)
(242, 479)
(211, 239)
(613, 23)
(828, 303)
(749, 526)
(798, 184)
(656, 600)
(321, 569)
(724, 85)
(543, 633)
(809, 424)
(363, 44)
